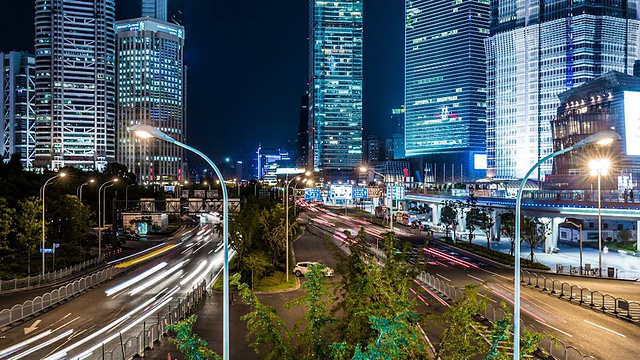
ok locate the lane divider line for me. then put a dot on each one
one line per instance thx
(604, 328)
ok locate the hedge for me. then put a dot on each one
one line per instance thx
(499, 256)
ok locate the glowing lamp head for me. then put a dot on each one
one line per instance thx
(143, 134)
(599, 167)
(307, 173)
(363, 169)
(62, 174)
(92, 181)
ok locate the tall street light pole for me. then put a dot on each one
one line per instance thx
(79, 190)
(146, 132)
(100, 221)
(599, 168)
(286, 219)
(384, 179)
(126, 195)
(43, 191)
(600, 138)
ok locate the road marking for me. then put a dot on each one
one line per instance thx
(475, 278)
(443, 277)
(64, 317)
(33, 327)
(61, 326)
(555, 328)
(488, 298)
(603, 328)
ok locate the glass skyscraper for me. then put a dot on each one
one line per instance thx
(166, 10)
(335, 84)
(75, 83)
(537, 50)
(151, 78)
(445, 89)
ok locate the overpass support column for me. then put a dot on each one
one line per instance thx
(551, 242)
(638, 234)
(435, 213)
(495, 229)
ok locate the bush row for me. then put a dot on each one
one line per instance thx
(500, 257)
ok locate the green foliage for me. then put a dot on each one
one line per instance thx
(502, 339)
(486, 221)
(258, 264)
(189, 344)
(69, 226)
(268, 330)
(449, 216)
(460, 340)
(29, 226)
(508, 226)
(499, 256)
(397, 339)
(624, 235)
(7, 220)
(533, 232)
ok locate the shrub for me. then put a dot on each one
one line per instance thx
(500, 257)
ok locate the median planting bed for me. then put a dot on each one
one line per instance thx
(498, 256)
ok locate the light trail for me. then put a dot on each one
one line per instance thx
(135, 279)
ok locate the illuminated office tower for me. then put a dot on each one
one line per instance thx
(151, 78)
(166, 10)
(75, 83)
(17, 106)
(537, 50)
(445, 88)
(335, 85)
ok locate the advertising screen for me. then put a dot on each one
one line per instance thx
(632, 122)
(341, 192)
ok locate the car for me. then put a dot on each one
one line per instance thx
(302, 268)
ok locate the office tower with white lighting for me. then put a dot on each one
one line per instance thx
(75, 83)
(166, 10)
(151, 77)
(537, 50)
(445, 114)
(17, 106)
(335, 85)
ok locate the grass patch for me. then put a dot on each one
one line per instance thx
(499, 256)
(628, 246)
(274, 282)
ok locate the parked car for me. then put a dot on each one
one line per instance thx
(303, 267)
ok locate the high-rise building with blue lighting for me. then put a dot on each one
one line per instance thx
(445, 90)
(166, 10)
(151, 90)
(335, 85)
(537, 50)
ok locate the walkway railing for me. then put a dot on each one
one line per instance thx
(29, 281)
(596, 300)
(41, 303)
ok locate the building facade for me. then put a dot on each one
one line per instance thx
(151, 77)
(445, 90)
(75, 83)
(335, 85)
(166, 10)
(537, 50)
(397, 133)
(609, 102)
(17, 101)
(302, 155)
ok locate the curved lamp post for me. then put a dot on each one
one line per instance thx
(42, 191)
(364, 169)
(100, 218)
(600, 138)
(79, 190)
(286, 221)
(126, 195)
(146, 132)
(598, 168)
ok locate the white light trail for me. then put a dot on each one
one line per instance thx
(135, 279)
(158, 278)
(194, 272)
(41, 345)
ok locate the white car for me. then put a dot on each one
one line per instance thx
(302, 268)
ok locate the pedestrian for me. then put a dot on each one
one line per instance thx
(631, 195)
(626, 195)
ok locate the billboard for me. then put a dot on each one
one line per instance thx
(632, 122)
(341, 192)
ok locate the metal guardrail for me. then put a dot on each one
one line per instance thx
(41, 303)
(556, 348)
(29, 281)
(135, 342)
(596, 300)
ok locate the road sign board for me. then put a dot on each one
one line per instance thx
(312, 194)
(47, 251)
(360, 193)
(341, 192)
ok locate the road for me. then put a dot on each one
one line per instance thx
(592, 333)
(79, 327)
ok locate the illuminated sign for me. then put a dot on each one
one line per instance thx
(480, 161)
(360, 193)
(341, 192)
(150, 25)
(290, 171)
(312, 194)
(632, 122)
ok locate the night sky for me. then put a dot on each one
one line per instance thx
(247, 67)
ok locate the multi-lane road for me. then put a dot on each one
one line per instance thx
(84, 326)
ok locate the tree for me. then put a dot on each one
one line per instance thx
(69, 225)
(508, 226)
(7, 220)
(258, 263)
(192, 346)
(460, 341)
(29, 226)
(502, 339)
(624, 235)
(449, 217)
(486, 221)
(268, 330)
(533, 232)
(314, 338)
(473, 220)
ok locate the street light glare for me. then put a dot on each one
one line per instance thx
(363, 169)
(599, 166)
(62, 174)
(605, 141)
(143, 134)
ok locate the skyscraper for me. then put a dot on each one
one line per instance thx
(397, 133)
(17, 106)
(302, 155)
(445, 89)
(151, 77)
(75, 83)
(166, 10)
(537, 50)
(335, 84)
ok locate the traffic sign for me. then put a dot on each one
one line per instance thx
(312, 194)
(46, 251)
(360, 193)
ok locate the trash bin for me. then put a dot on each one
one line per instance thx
(610, 272)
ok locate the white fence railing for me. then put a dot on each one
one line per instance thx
(30, 281)
(41, 303)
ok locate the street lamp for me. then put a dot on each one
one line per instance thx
(146, 132)
(600, 138)
(43, 190)
(100, 218)
(79, 189)
(206, 183)
(598, 168)
(286, 220)
(579, 226)
(126, 195)
(364, 169)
